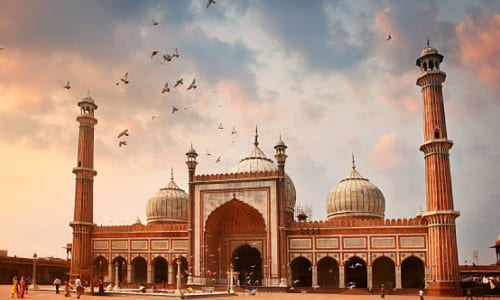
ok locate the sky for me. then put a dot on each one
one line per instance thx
(320, 73)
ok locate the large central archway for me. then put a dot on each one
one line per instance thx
(228, 227)
(328, 273)
(248, 262)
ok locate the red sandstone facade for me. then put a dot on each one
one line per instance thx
(245, 218)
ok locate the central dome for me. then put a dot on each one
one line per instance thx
(257, 161)
(168, 205)
(355, 197)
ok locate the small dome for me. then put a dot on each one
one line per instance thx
(428, 50)
(169, 205)
(355, 196)
(257, 161)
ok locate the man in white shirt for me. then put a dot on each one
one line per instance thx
(79, 287)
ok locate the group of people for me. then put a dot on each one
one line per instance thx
(19, 287)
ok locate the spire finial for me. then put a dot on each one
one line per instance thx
(171, 173)
(256, 142)
(353, 164)
(428, 43)
(88, 93)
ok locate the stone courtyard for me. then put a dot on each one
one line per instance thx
(5, 294)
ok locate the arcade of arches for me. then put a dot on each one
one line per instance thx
(137, 271)
(355, 273)
(235, 233)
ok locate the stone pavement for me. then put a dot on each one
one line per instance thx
(45, 295)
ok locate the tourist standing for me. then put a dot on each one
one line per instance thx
(22, 285)
(79, 287)
(421, 294)
(101, 287)
(15, 288)
(468, 294)
(57, 283)
(382, 291)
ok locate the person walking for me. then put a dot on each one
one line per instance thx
(22, 285)
(468, 294)
(421, 294)
(57, 283)
(79, 287)
(15, 288)
(66, 289)
(382, 291)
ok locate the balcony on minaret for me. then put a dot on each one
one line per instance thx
(87, 106)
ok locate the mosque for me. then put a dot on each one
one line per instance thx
(244, 220)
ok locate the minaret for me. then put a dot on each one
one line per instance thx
(81, 258)
(191, 164)
(281, 156)
(440, 214)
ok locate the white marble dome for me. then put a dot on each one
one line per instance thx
(168, 205)
(257, 161)
(355, 197)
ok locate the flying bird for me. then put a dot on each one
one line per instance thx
(154, 23)
(124, 79)
(210, 2)
(356, 265)
(154, 118)
(122, 143)
(67, 86)
(123, 133)
(178, 82)
(217, 160)
(176, 53)
(192, 85)
(220, 126)
(174, 109)
(153, 53)
(165, 89)
(166, 57)
(208, 153)
(296, 281)
(388, 37)
(234, 131)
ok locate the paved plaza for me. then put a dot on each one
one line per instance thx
(5, 294)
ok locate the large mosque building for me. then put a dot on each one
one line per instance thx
(244, 220)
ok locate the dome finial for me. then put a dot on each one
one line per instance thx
(428, 43)
(171, 174)
(256, 142)
(353, 164)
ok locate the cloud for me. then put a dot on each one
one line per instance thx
(390, 152)
(399, 92)
(480, 50)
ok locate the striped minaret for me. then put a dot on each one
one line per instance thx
(81, 258)
(443, 255)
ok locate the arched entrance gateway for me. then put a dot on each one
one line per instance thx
(100, 267)
(355, 273)
(160, 269)
(384, 273)
(235, 233)
(412, 273)
(328, 273)
(301, 272)
(139, 270)
(119, 270)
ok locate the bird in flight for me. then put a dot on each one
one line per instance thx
(165, 89)
(208, 153)
(234, 131)
(217, 160)
(124, 79)
(192, 85)
(210, 2)
(356, 265)
(67, 86)
(166, 57)
(153, 53)
(176, 53)
(174, 109)
(122, 143)
(388, 37)
(154, 23)
(154, 118)
(178, 82)
(220, 126)
(123, 133)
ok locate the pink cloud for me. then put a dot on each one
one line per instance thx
(399, 93)
(480, 49)
(390, 152)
